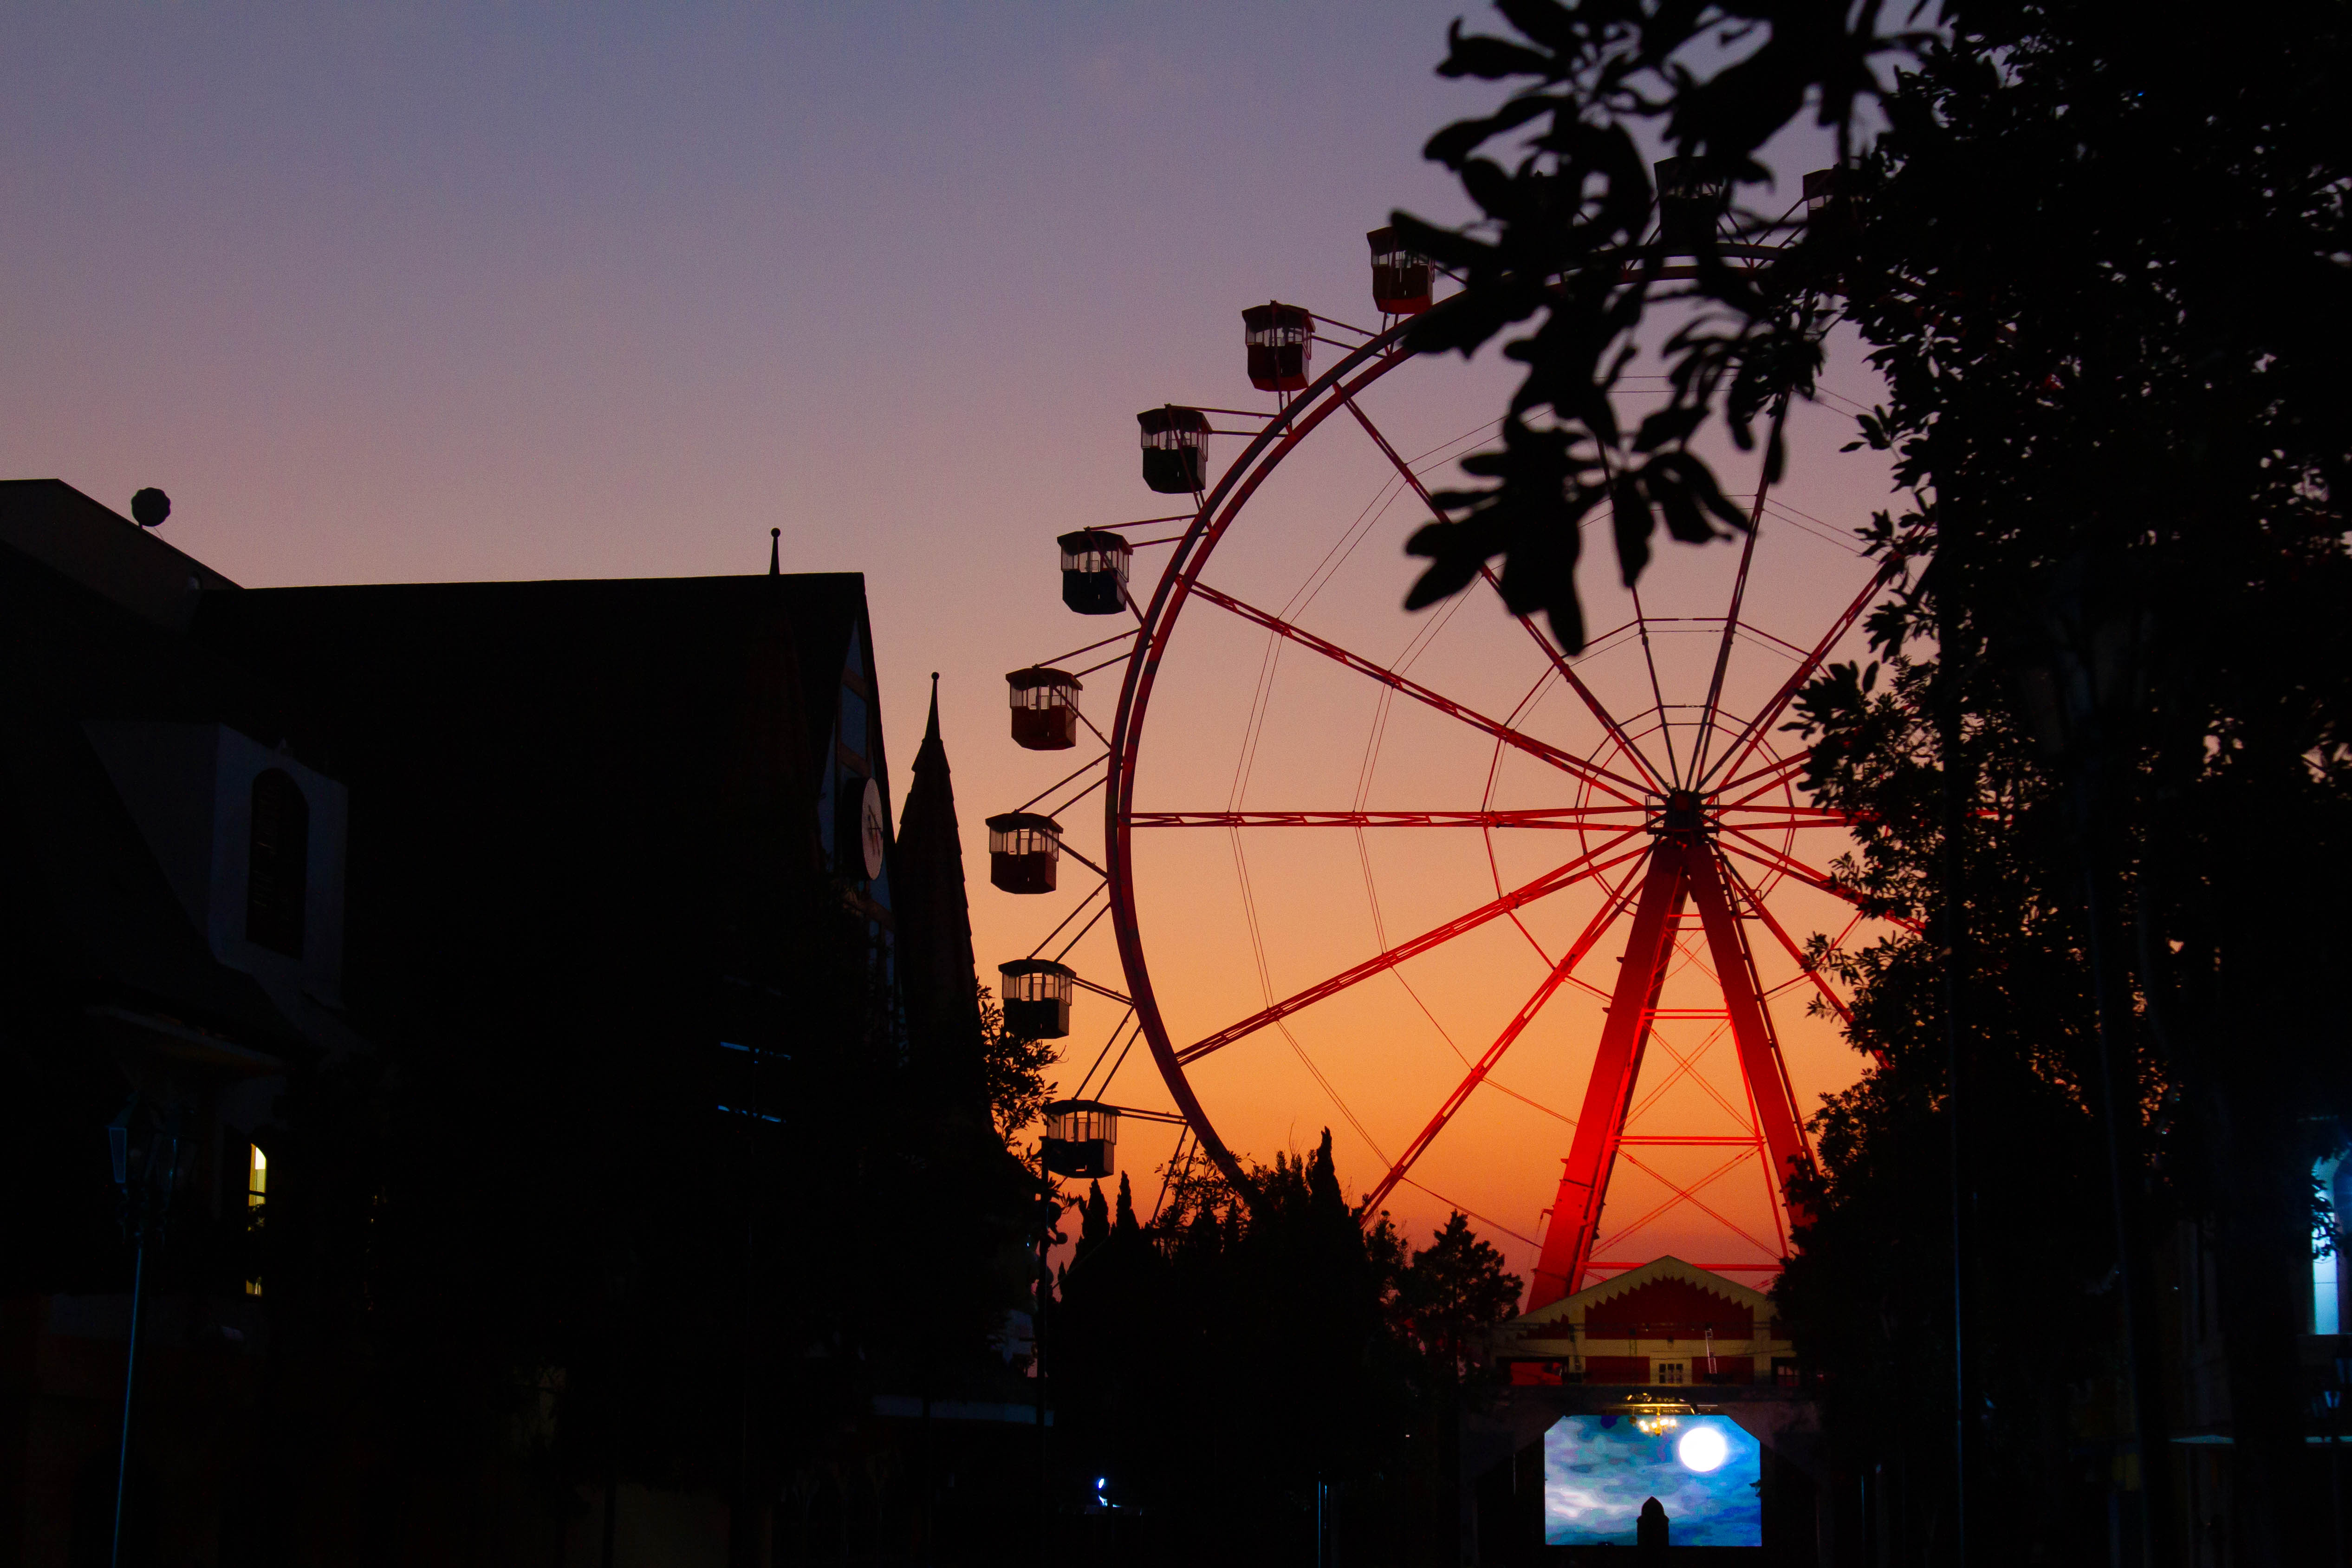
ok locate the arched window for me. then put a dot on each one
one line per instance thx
(278, 865)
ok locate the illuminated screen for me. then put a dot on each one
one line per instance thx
(1599, 1471)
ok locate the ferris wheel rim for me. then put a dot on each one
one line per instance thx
(1385, 352)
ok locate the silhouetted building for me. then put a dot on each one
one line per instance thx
(522, 959)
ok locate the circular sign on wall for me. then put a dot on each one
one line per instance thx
(872, 826)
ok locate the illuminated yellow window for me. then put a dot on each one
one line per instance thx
(256, 1189)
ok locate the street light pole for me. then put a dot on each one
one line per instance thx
(129, 1374)
(1038, 1357)
(141, 1162)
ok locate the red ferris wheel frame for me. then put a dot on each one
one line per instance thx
(1663, 846)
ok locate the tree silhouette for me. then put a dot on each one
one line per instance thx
(2098, 255)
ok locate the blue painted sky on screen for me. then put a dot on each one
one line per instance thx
(1598, 1472)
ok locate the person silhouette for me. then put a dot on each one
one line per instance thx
(1650, 1532)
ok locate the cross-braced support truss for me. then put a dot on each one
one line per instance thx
(1684, 868)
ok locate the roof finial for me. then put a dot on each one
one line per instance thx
(932, 731)
(775, 552)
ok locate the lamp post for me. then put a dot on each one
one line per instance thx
(2079, 690)
(148, 1158)
(1037, 1358)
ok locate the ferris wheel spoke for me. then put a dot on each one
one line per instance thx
(1771, 859)
(1624, 789)
(1772, 777)
(1755, 902)
(1581, 868)
(1552, 817)
(1558, 661)
(1575, 682)
(1789, 818)
(1400, 466)
(1611, 907)
(1751, 734)
(1738, 595)
(1779, 860)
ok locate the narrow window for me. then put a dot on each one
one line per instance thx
(256, 1192)
(278, 865)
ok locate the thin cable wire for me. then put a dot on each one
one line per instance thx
(1080, 1093)
(1092, 893)
(1082, 931)
(1491, 1224)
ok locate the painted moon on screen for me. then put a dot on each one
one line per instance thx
(1702, 1449)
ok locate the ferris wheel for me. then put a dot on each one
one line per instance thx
(1436, 831)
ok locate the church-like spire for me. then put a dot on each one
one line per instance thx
(937, 976)
(776, 569)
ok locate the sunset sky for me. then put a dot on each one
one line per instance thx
(416, 293)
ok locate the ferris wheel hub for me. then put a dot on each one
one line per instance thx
(1682, 814)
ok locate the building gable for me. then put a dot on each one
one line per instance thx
(1667, 1308)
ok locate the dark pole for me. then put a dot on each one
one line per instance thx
(129, 1371)
(744, 1551)
(743, 1547)
(1037, 1350)
(135, 1173)
(1952, 938)
(2096, 634)
(147, 1211)
(2122, 1148)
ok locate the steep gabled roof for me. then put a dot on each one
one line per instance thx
(938, 974)
(1574, 1308)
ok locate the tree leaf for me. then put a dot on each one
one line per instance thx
(1452, 145)
(1685, 521)
(1489, 59)
(1633, 523)
(1669, 424)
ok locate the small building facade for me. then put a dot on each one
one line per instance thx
(1665, 1324)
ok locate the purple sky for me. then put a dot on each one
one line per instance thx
(401, 293)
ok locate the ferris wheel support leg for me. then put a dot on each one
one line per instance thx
(1751, 1028)
(1600, 1126)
